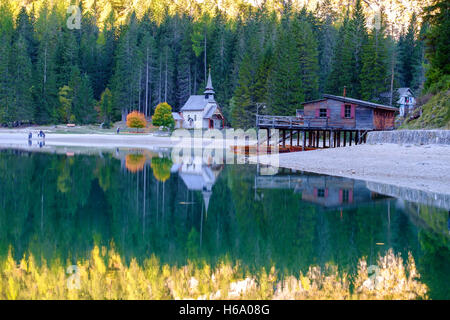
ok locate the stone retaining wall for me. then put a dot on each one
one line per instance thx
(412, 195)
(418, 137)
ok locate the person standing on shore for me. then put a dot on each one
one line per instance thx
(118, 130)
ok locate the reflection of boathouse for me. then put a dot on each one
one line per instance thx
(198, 176)
(326, 191)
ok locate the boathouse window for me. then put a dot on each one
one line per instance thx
(348, 111)
(345, 196)
(323, 113)
(320, 193)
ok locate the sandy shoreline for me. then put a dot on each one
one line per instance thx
(16, 139)
(424, 168)
(88, 140)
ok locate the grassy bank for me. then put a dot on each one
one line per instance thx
(435, 108)
(104, 276)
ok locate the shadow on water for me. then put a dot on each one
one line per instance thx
(60, 204)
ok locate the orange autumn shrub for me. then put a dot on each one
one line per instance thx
(136, 120)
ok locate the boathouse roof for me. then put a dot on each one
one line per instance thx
(354, 101)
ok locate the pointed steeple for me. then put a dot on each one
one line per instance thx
(209, 90)
(206, 197)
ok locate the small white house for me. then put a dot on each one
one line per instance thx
(202, 111)
(406, 101)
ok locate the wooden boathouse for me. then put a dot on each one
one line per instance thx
(325, 191)
(332, 121)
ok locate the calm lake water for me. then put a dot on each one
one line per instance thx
(58, 204)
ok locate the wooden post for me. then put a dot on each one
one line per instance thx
(317, 139)
(329, 139)
(309, 138)
(304, 140)
(350, 141)
(324, 137)
(292, 132)
(357, 136)
(268, 140)
(339, 138)
(313, 133)
(284, 138)
(298, 138)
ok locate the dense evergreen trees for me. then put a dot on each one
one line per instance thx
(158, 52)
(438, 43)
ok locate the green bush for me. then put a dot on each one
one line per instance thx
(163, 116)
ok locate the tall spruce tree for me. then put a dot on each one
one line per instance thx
(374, 73)
(285, 87)
(341, 74)
(358, 33)
(409, 53)
(326, 16)
(306, 45)
(246, 95)
(22, 81)
(45, 88)
(125, 85)
(6, 77)
(437, 15)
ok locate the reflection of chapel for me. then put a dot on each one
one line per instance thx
(198, 177)
(202, 111)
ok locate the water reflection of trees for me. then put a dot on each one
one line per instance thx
(103, 203)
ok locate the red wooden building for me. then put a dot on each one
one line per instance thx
(332, 118)
(348, 113)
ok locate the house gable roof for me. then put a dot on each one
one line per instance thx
(405, 91)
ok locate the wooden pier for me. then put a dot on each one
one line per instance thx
(311, 133)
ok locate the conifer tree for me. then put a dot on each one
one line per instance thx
(409, 53)
(125, 87)
(184, 68)
(285, 87)
(374, 73)
(358, 33)
(106, 107)
(342, 65)
(306, 45)
(45, 88)
(327, 41)
(22, 81)
(6, 78)
(438, 42)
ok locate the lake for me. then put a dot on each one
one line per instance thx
(58, 204)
